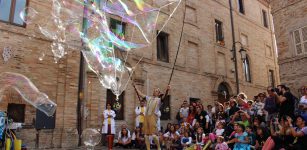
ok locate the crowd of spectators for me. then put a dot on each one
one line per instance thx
(272, 120)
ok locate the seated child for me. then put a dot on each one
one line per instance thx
(221, 144)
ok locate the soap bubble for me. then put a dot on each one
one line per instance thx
(28, 14)
(91, 138)
(27, 90)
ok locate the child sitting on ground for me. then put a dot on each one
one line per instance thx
(186, 140)
(221, 144)
(219, 131)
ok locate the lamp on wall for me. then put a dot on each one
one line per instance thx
(243, 53)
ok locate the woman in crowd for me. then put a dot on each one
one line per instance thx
(138, 138)
(168, 127)
(124, 140)
(220, 116)
(172, 138)
(261, 136)
(191, 115)
(300, 133)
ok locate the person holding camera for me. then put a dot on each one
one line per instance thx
(286, 101)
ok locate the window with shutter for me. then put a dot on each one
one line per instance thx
(300, 40)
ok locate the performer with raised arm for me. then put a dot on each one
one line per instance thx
(151, 115)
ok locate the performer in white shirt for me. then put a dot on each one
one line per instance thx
(140, 114)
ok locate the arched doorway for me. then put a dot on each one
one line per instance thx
(223, 92)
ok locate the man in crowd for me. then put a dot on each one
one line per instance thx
(184, 111)
(202, 117)
(286, 101)
(140, 113)
(270, 105)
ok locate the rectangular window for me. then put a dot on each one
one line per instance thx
(219, 31)
(117, 106)
(265, 19)
(162, 47)
(10, 10)
(241, 6)
(118, 28)
(300, 40)
(166, 108)
(16, 112)
(271, 78)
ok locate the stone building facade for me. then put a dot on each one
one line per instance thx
(204, 69)
(290, 21)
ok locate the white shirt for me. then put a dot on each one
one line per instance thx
(259, 106)
(124, 139)
(171, 135)
(184, 112)
(303, 100)
(219, 132)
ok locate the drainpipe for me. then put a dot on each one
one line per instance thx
(81, 76)
(234, 47)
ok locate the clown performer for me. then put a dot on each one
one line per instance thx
(151, 115)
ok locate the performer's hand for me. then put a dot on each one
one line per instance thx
(168, 87)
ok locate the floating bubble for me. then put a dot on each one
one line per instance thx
(91, 138)
(28, 14)
(27, 90)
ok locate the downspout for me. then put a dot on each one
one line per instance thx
(81, 76)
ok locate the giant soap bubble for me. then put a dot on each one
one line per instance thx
(108, 27)
(27, 90)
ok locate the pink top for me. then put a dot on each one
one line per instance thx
(221, 146)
